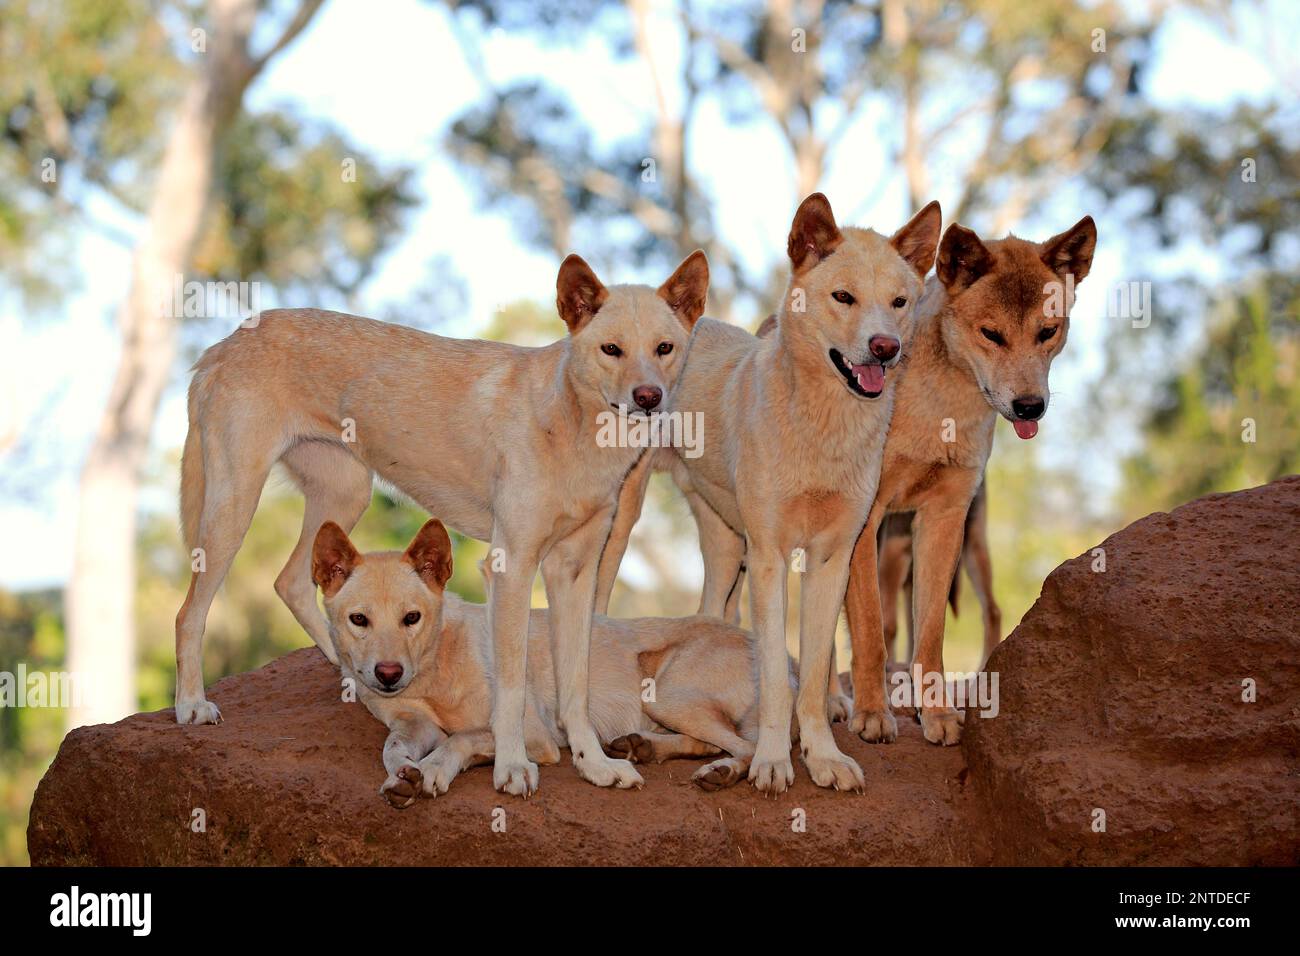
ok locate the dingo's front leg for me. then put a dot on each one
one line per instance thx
(872, 718)
(457, 753)
(771, 769)
(569, 571)
(630, 499)
(410, 738)
(509, 595)
(819, 609)
(937, 532)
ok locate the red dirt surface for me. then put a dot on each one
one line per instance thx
(1120, 691)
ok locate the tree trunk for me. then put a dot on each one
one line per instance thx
(100, 599)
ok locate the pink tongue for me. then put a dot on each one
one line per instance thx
(871, 378)
(1026, 430)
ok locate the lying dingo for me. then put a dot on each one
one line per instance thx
(420, 659)
(501, 440)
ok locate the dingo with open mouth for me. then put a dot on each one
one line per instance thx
(798, 422)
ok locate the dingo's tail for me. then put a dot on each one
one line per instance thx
(191, 482)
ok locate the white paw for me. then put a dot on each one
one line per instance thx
(771, 774)
(440, 768)
(401, 788)
(517, 777)
(330, 654)
(718, 775)
(875, 726)
(198, 711)
(605, 772)
(838, 707)
(834, 769)
(941, 726)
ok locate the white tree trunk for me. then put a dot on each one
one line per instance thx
(100, 599)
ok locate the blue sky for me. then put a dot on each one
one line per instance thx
(392, 75)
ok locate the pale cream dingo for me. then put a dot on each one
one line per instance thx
(420, 659)
(795, 429)
(499, 440)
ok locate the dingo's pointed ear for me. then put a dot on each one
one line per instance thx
(962, 259)
(430, 554)
(687, 289)
(578, 293)
(813, 234)
(333, 558)
(917, 240)
(1070, 253)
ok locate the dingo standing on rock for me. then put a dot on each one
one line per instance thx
(992, 321)
(802, 424)
(497, 439)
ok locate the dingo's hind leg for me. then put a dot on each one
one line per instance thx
(700, 720)
(723, 552)
(647, 747)
(233, 461)
(337, 487)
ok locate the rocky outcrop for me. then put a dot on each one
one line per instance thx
(1162, 692)
(1124, 691)
(292, 777)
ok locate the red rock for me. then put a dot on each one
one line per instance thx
(1119, 691)
(1122, 691)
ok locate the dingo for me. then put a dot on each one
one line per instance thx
(795, 470)
(420, 659)
(992, 321)
(499, 439)
(894, 552)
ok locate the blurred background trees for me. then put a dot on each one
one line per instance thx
(1017, 116)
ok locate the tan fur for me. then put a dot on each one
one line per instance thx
(791, 459)
(500, 440)
(702, 702)
(953, 383)
(894, 549)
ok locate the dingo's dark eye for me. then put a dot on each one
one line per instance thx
(411, 619)
(900, 302)
(664, 348)
(360, 620)
(841, 296)
(994, 337)
(1045, 334)
(609, 348)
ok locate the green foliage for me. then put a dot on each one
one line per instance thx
(298, 207)
(1196, 435)
(83, 84)
(31, 632)
(1239, 187)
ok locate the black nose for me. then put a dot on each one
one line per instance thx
(1028, 409)
(388, 672)
(884, 347)
(647, 396)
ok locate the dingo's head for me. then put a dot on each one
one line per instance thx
(384, 607)
(628, 340)
(1010, 302)
(852, 292)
